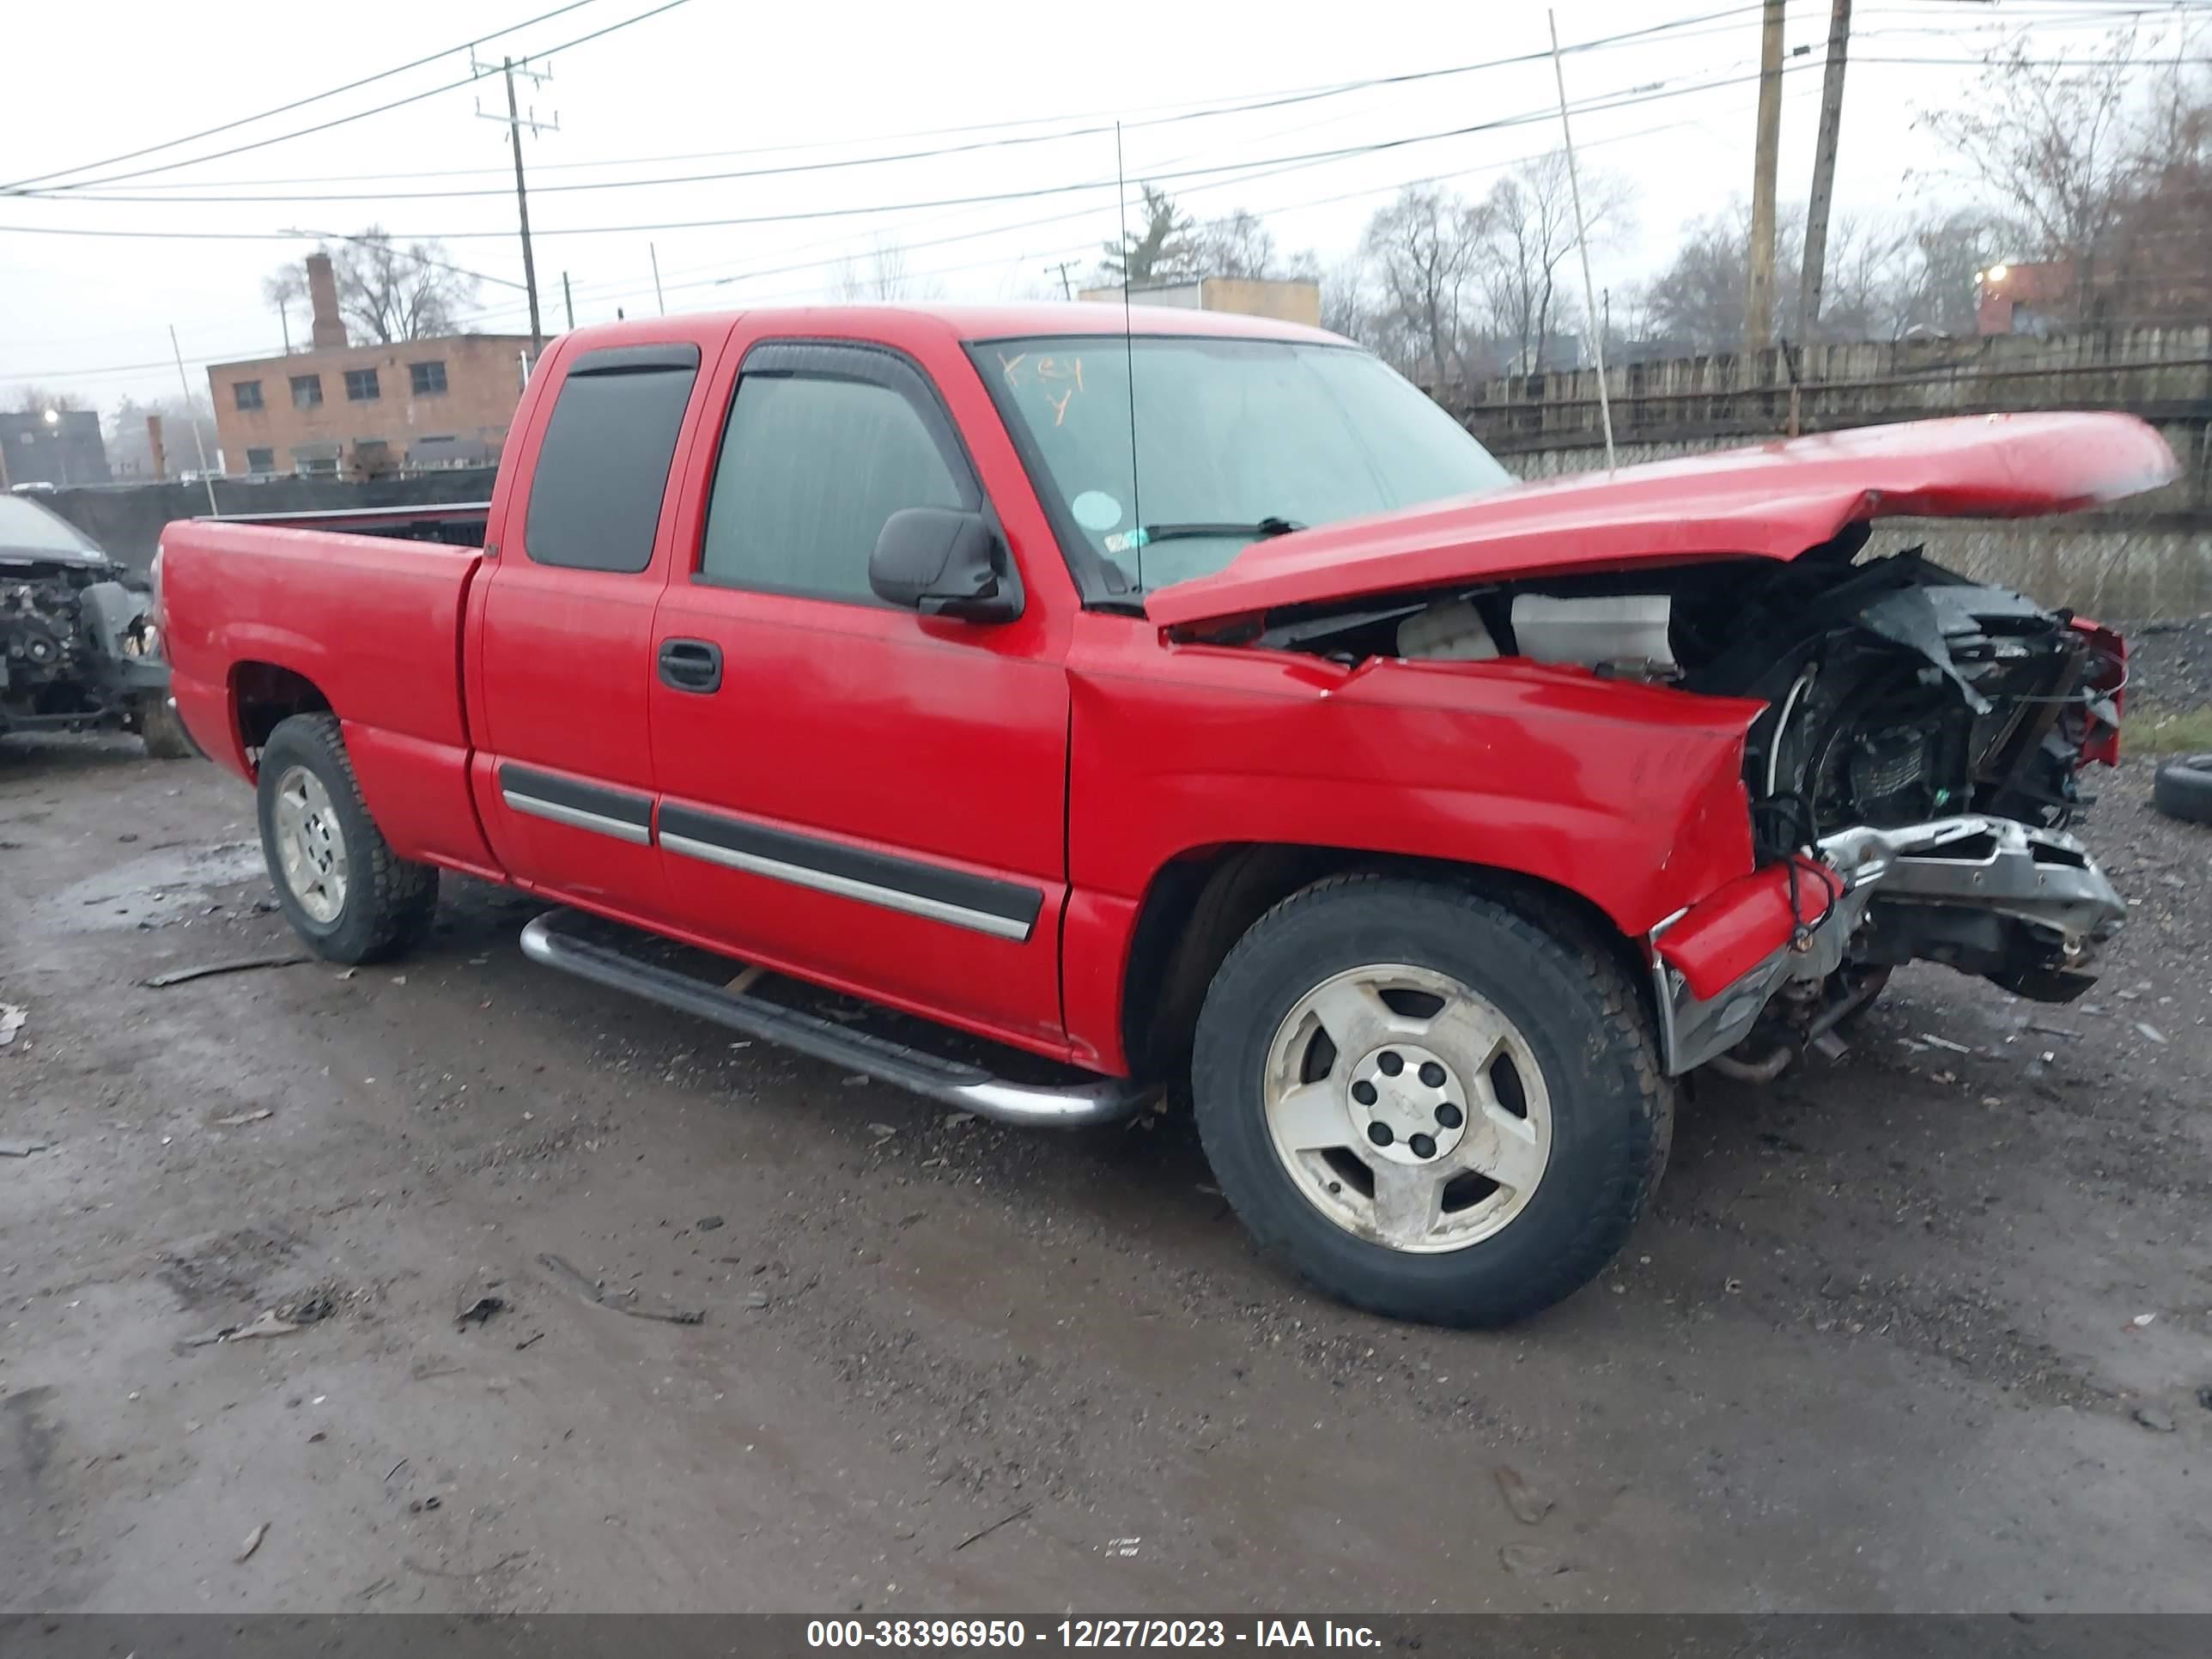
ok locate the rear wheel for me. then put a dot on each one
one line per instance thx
(338, 882)
(1433, 1108)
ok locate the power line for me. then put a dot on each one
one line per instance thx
(342, 120)
(297, 103)
(620, 293)
(1289, 94)
(1604, 103)
(1257, 102)
(617, 292)
(435, 263)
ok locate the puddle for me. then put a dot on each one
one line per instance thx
(152, 889)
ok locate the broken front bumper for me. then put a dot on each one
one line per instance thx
(1717, 965)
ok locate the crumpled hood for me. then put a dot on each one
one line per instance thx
(1773, 501)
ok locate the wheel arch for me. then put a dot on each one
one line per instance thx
(1202, 901)
(263, 694)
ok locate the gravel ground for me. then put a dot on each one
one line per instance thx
(1924, 1330)
(2170, 662)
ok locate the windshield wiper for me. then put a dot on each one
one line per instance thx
(1259, 531)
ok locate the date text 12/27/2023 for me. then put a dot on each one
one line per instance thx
(998, 1635)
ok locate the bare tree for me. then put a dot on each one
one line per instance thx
(886, 276)
(1240, 245)
(1870, 279)
(37, 399)
(1164, 251)
(2053, 143)
(2155, 268)
(1949, 249)
(393, 292)
(1348, 305)
(1526, 229)
(1237, 244)
(283, 288)
(1697, 300)
(1423, 250)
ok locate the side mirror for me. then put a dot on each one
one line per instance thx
(945, 562)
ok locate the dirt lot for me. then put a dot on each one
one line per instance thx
(1927, 1329)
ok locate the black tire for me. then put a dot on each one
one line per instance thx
(162, 732)
(389, 901)
(2183, 789)
(1612, 1113)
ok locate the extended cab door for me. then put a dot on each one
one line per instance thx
(859, 793)
(562, 638)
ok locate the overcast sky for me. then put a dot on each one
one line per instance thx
(732, 86)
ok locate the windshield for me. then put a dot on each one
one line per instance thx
(1234, 441)
(26, 527)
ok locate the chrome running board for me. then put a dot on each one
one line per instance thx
(971, 1088)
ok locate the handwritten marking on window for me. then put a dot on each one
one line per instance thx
(1046, 373)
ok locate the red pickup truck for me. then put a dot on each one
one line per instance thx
(1187, 700)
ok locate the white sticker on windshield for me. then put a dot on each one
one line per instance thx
(1095, 509)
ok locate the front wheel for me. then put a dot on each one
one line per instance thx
(1432, 1107)
(338, 882)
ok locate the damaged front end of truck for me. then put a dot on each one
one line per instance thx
(79, 649)
(1918, 760)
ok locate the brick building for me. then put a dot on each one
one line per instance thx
(2033, 297)
(58, 446)
(337, 410)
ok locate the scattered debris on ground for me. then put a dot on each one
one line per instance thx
(267, 1325)
(480, 1311)
(1003, 1521)
(593, 1292)
(12, 1017)
(253, 1541)
(23, 1148)
(209, 970)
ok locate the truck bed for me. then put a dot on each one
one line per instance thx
(367, 626)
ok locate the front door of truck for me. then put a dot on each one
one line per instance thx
(562, 638)
(859, 793)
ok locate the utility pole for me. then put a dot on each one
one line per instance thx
(567, 302)
(516, 121)
(1758, 291)
(1066, 289)
(1824, 170)
(658, 298)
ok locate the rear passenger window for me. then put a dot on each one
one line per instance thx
(595, 494)
(811, 467)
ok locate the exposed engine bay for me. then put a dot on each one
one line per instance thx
(78, 649)
(1922, 744)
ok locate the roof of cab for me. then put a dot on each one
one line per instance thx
(964, 322)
